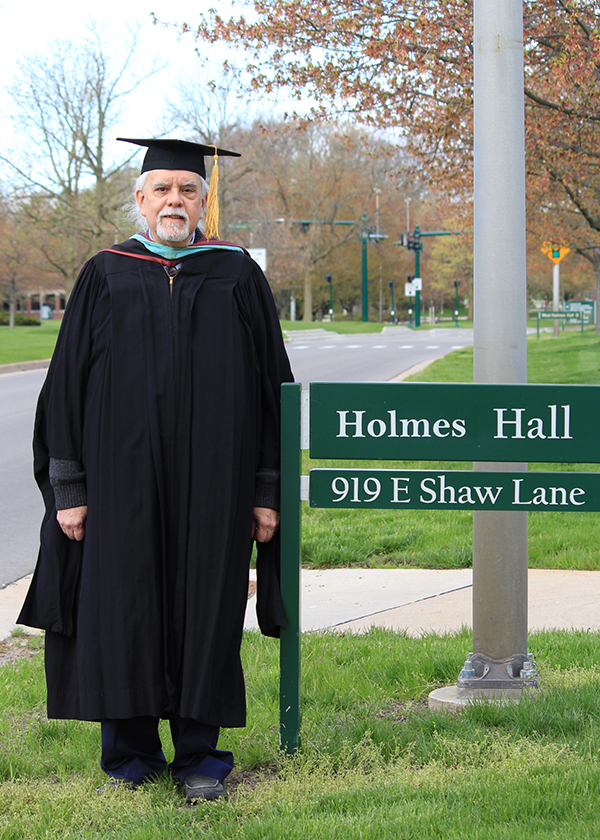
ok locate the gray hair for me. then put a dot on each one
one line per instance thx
(131, 210)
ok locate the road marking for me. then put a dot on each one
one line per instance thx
(353, 346)
(433, 347)
(299, 346)
(379, 346)
(458, 347)
(406, 346)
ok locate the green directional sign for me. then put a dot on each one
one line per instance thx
(454, 490)
(462, 422)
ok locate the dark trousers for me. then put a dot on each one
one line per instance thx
(132, 749)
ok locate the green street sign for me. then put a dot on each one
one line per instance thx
(454, 490)
(455, 422)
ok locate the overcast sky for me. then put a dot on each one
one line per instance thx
(33, 27)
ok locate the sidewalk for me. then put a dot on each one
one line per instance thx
(422, 600)
(414, 600)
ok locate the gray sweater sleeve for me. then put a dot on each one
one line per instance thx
(68, 482)
(266, 490)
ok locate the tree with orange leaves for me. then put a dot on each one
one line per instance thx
(409, 67)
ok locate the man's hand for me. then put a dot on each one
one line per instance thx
(266, 522)
(72, 522)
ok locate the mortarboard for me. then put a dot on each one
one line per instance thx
(181, 154)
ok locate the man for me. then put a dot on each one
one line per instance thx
(156, 450)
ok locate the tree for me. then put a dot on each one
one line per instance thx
(320, 184)
(67, 103)
(16, 246)
(217, 115)
(410, 68)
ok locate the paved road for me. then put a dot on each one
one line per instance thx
(315, 356)
(21, 505)
(321, 356)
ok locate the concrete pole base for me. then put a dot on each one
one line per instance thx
(484, 678)
(453, 699)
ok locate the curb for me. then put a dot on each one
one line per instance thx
(18, 367)
(414, 369)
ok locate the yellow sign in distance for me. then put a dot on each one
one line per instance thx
(554, 252)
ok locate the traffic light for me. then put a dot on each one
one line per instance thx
(329, 279)
(555, 250)
(412, 241)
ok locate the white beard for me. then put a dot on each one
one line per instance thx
(173, 230)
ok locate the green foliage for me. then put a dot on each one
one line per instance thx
(571, 359)
(20, 320)
(28, 343)
(374, 763)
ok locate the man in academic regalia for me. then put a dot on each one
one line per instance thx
(157, 452)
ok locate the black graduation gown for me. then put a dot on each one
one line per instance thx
(170, 401)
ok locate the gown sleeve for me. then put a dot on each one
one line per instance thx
(274, 370)
(58, 434)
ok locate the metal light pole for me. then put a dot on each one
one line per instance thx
(418, 248)
(456, 285)
(500, 349)
(393, 310)
(364, 238)
(329, 279)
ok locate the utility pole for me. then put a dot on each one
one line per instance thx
(365, 237)
(499, 656)
(393, 310)
(329, 279)
(456, 285)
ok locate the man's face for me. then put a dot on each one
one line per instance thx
(172, 204)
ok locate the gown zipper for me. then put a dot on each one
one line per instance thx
(171, 273)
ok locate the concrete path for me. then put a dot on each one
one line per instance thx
(415, 600)
(420, 601)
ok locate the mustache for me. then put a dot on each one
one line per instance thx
(179, 213)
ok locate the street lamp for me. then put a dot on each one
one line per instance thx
(393, 313)
(329, 279)
(456, 284)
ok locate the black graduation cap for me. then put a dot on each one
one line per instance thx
(181, 154)
(177, 154)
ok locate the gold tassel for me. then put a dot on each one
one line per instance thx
(211, 224)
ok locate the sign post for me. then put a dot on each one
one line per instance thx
(556, 253)
(430, 421)
(291, 538)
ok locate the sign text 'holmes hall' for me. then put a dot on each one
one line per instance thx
(422, 421)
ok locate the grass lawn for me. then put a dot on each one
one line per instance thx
(29, 343)
(24, 344)
(571, 359)
(443, 540)
(375, 763)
